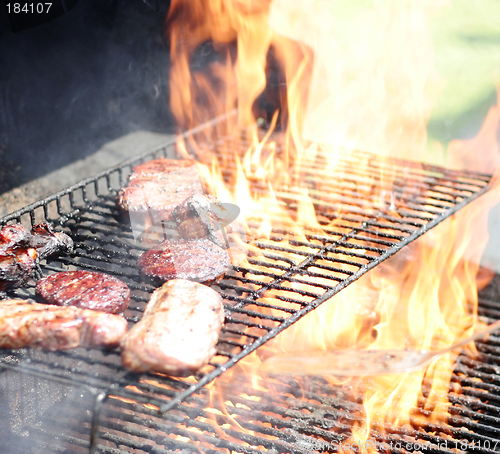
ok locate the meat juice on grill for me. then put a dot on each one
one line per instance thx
(198, 260)
(86, 290)
(26, 324)
(178, 332)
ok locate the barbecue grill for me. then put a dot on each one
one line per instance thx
(94, 403)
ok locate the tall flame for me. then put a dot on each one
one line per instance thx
(354, 79)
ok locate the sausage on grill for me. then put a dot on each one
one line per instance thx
(197, 260)
(178, 332)
(86, 290)
(156, 187)
(25, 324)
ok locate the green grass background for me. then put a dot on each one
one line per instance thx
(466, 39)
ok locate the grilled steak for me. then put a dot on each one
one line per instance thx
(197, 260)
(178, 332)
(85, 289)
(156, 187)
(25, 324)
(20, 251)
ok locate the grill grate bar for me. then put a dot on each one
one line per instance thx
(301, 425)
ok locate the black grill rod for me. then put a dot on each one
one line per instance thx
(393, 162)
(304, 431)
(314, 304)
(422, 171)
(354, 175)
(96, 414)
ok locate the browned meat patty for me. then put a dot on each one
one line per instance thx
(20, 251)
(85, 289)
(25, 324)
(156, 187)
(178, 332)
(197, 260)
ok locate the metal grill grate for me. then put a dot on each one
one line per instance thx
(365, 234)
(287, 415)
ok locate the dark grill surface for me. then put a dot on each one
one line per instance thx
(261, 300)
(286, 415)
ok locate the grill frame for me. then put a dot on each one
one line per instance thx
(65, 206)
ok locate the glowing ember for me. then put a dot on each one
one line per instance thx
(365, 85)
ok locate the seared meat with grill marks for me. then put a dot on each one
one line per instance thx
(21, 251)
(25, 324)
(85, 289)
(156, 187)
(178, 332)
(196, 260)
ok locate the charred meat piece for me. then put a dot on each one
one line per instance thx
(25, 324)
(86, 290)
(48, 242)
(14, 234)
(196, 260)
(17, 259)
(158, 168)
(156, 187)
(178, 332)
(21, 251)
(16, 266)
(203, 216)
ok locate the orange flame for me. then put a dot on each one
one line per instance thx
(362, 82)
